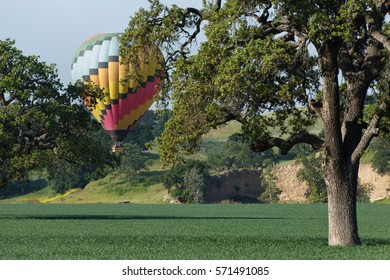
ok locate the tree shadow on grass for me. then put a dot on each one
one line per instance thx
(323, 242)
(375, 242)
(127, 217)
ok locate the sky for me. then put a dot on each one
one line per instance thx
(54, 29)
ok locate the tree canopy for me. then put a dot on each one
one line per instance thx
(288, 57)
(257, 56)
(40, 120)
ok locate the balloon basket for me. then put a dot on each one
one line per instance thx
(117, 148)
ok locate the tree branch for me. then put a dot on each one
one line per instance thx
(286, 145)
(217, 5)
(346, 61)
(193, 35)
(190, 37)
(44, 142)
(316, 106)
(68, 160)
(2, 100)
(371, 132)
(187, 12)
(263, 17)
(226, 116)
(381, 38)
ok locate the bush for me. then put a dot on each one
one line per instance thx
(133, 160)
(364, 192)
(64, 176)
(271, 192)
(381, 155)
(311, 173)
(188, 182)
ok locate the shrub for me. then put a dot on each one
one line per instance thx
(311, 173)
(271, 192)
(188, 182)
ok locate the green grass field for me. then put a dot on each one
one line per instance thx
(127, 231)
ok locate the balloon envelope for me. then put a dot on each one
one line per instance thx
(97, 61)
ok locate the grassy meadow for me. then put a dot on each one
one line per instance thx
(89, 223)
(223, 231)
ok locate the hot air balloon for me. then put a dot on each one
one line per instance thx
(97, 61)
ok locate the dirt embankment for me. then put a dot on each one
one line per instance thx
(294, 191)
(246, 183)
(235, 184)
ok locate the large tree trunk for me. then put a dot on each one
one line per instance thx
(340, 174)
(342, 185)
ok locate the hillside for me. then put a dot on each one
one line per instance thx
(149, 190)
(115, 190)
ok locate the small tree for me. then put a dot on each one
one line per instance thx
(196, 183)
(271, 192)
(133, 160)
(40, 120)
(311, 173)
(64, 175)
(381, 157)
(188, 182)
(364, 192)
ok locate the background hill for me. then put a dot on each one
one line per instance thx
(148, 188)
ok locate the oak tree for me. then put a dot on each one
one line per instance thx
(240, 59)
(40, 120)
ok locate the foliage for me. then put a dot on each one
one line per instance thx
(64, 176)
(133, 160)
(216, 72)
(297, 151)
(381, 158)
(34, 182)
(141, 135)
(40, 121)
(148, 128)
(188, 182)
(236, 154)
(312, 173)
(251, 62)
(380, 147)
(161, 118)
(364, 192)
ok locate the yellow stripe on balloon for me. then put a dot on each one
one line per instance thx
(113, 75)
(103, 83)
(97, 111)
